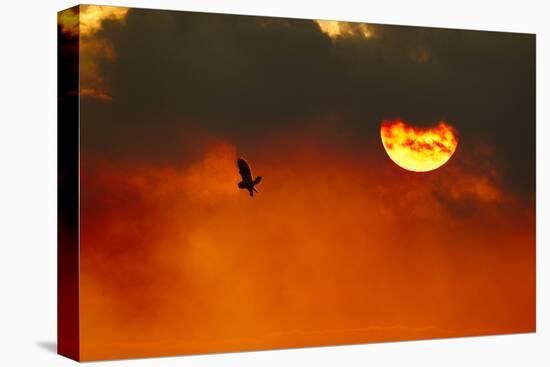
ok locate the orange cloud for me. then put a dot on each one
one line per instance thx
(93, 16)
(93, 84)
(176, 259)
(85, 21)
(336, 29)
(68, 20)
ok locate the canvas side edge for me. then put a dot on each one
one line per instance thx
(68, 325)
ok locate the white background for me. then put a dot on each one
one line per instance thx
(28, 183)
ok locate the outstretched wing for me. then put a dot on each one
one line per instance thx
(244, 170)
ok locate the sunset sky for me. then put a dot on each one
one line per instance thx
(341, 245)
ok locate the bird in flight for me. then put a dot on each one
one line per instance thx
(248, 182)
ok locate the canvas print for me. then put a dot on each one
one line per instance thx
(235, 183)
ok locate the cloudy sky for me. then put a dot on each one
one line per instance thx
(341, 245)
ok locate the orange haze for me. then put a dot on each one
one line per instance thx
(176, 259)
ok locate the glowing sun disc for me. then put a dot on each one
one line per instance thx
(418, 149)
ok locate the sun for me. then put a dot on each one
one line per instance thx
(418, 149)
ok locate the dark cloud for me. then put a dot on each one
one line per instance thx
(242, 78)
